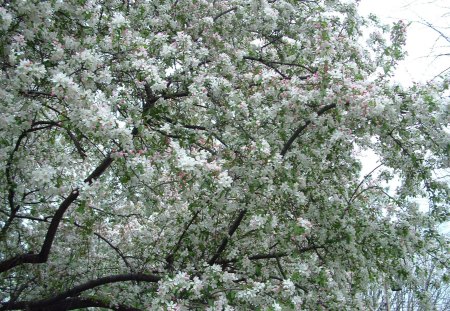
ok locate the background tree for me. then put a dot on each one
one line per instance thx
(201, 154)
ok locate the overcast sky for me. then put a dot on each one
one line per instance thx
(422, 44)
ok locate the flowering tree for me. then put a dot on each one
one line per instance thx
(193, 154)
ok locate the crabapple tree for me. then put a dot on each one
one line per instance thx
(203, 154)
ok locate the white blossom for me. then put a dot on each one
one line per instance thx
(265, 147)
(118, 20)
(276, 307)
(204, 155)
(224, 180)
(61, 79)
(6, 18)
(257, 222)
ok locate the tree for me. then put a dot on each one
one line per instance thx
(201, 154)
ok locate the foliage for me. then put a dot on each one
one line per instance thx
(194, 154)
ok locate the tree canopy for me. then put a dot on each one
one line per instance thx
(195, 154)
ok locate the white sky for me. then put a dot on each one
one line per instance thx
(423, 43)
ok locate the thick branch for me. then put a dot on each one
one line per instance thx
(82, 303)
(51, 232)
(150, 98)
(67, 304)
(297, 133)
(175, 95)
(46, 246)
(60, 299)
(188, 126)
(99, 170)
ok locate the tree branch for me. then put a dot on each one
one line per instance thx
(224, 12)
(99, 170)
(42, 257)
(188, 126)
(11, 187)
(115, 248)
(170, 257)
(225, 240)
(297, 133)
(78, 303)
(60, 299)
(270, 255)
(271, 62)
(77, 144)
(50, 236)
(11, 192)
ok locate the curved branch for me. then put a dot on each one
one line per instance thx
(60, 299)
(11, 187)
(42, 257)
(35, 126)
(49, 238)
(78, 303)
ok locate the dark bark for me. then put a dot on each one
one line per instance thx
(61, 301)
(75, 304)
(42, 256)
